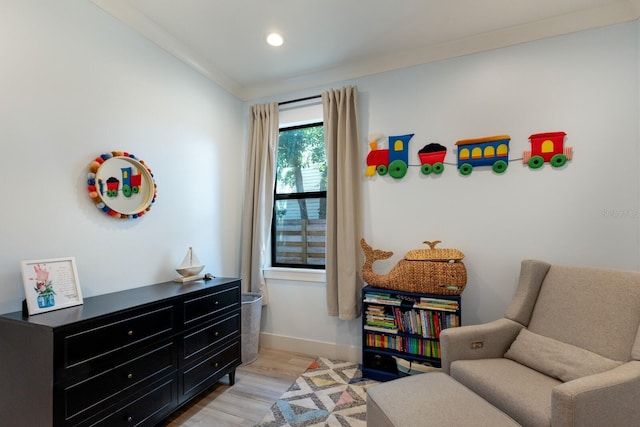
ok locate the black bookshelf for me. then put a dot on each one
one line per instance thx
(404, 325)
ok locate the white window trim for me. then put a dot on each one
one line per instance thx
(295, 274)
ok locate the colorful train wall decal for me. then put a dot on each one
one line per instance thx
(492, 151)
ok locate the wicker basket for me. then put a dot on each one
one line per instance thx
(430, 271)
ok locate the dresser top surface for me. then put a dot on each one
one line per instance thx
(101, 305)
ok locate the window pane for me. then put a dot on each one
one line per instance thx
(299, 231)
(301, 160)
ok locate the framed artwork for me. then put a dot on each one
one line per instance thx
(51, 284)
(121, 185)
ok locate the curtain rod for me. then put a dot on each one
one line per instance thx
(299, 100)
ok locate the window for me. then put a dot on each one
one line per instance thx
(299, 210)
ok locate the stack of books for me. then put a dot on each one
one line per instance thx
(377, 319)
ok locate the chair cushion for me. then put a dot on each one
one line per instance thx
(521, 392)
(555, 358)
(591, 308)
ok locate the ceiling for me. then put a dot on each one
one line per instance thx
(334, 40)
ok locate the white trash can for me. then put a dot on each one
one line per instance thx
(251, 313)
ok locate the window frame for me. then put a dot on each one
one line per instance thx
(293, 196)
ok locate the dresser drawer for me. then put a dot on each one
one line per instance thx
(198, 342)
(209, 306)
(108, 385)
(146, 409)
(211, 368)
(103, 339)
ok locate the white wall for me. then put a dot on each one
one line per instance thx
(586, 213)
(76, 83)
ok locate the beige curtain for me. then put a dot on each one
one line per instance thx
(258, 201)
(344, 210)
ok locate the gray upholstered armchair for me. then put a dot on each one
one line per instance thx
(566, 353)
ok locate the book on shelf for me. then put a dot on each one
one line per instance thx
(381, 329)
(437, 304)
(438, 301)
(381, 298)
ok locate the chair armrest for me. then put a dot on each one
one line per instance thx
(485, 341)
(606, 399)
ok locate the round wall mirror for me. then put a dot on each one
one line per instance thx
(121, 185)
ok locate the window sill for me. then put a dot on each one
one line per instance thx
(297, 274)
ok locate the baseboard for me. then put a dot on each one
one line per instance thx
(311, 348)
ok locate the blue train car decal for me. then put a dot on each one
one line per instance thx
(487, 151)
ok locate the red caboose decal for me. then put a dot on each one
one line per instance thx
(547, 147)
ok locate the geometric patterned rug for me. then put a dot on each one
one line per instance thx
(329, 393)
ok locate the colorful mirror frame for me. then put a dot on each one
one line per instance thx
(121, 185)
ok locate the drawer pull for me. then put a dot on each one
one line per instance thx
(216, 302)
(217, 333)
(215, 365)
(129, 419)
(130, 376)
(130, 333)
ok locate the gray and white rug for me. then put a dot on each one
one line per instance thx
(329, 393)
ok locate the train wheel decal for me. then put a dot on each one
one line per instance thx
(397, 169)
(535, 162)
(126, 191)
(465, 169)
(382, 170)
(438, 168)
(499, 166)
(558, 160)
(426, 169)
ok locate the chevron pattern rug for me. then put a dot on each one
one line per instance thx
(329, 393)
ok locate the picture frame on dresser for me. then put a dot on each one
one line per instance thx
(50, 284)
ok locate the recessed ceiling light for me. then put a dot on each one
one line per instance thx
(275, 39)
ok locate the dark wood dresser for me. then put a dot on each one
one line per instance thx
(127, 358)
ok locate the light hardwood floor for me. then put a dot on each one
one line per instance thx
(258, 385)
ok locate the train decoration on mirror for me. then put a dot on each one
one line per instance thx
(490, 151)
(121, 185)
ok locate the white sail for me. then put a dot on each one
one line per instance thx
(190, 259)
(191, 266)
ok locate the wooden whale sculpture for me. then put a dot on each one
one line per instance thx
(431, 271)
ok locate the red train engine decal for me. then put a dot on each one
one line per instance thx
(393, 160)
(547, 147)
(130, 183)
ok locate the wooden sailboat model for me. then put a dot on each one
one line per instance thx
(190, 268)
